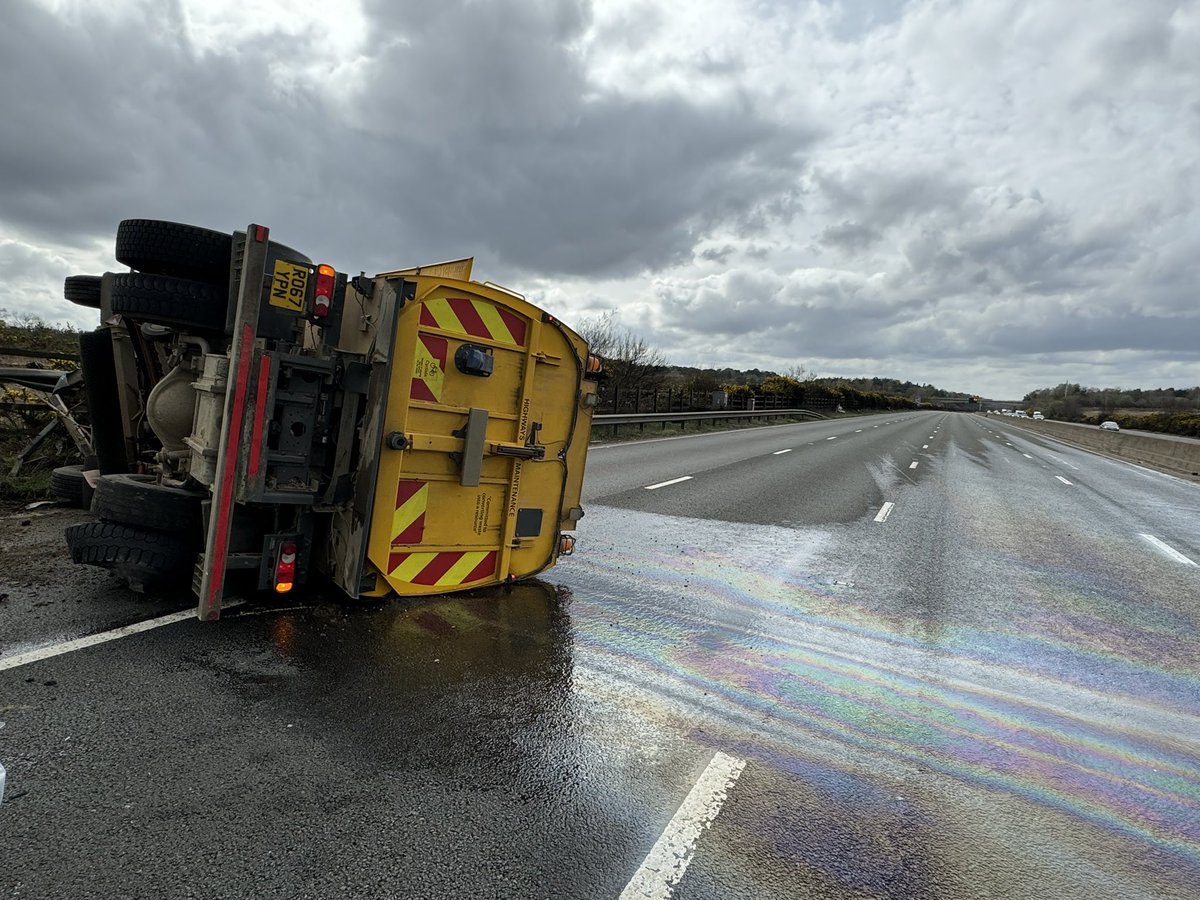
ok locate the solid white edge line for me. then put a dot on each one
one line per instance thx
(1063, 480)
(655, 487)
(103, 637)
(668, 859)
(779, 452)
(914, 465)
(884, 512)
(1168, 550)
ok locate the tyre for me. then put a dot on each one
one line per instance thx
(175, 249)
(83, 290)
(177, 302)
(139, 500)
(104, 406)
(142, 556)
(68, 485)
(276, 251)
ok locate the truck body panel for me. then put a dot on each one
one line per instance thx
(476, 483)
(413, 433)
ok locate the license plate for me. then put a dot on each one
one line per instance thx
(289, 286)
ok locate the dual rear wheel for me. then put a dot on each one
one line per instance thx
(148, 533)
(181, 276)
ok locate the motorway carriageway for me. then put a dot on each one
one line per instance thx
(916, 655)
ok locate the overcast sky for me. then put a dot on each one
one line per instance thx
(988, 195)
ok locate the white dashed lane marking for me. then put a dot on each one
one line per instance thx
(1063, 480)
(884, 512)
(21, 659)
(779, 452)
(669, 858)
(663, 484)
(1167, 549)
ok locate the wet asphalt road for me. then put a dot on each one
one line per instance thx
(989, 688)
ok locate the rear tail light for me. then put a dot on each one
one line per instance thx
(323, 297)
(285, 568)
(566, 544)
(594, 365)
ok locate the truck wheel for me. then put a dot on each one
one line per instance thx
(104, 406)
(142, 556)
(175, 249)
(68, 485)
(140, 500)
(170, 301)
(276, 250)
(83, 290)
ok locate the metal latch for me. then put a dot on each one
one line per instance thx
(473, 443)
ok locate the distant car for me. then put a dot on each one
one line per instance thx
(1110, 425)
(1038, 416)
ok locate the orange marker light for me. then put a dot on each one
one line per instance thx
(323, 293)
(285, 569)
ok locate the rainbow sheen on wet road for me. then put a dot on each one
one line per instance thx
(752, 637)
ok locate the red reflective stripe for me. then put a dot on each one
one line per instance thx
(469, 316)
(405, 491)
(233, 436)
(516, 325)
(427, 318)
(260, 406)
(485, 569)
(420, 391)
(413, 534)
(260, 233)
(437, 347)
(438, 566)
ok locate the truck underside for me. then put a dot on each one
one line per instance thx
(259, 419)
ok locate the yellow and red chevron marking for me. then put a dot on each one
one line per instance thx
(429, 368)
(474, 318)
(444, 569)
(408, 521)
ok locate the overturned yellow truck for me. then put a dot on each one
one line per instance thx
(260, 419)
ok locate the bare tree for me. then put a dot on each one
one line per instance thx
(800, 373)
(600, 332)
(631, 363)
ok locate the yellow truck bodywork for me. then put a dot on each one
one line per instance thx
(479, 474)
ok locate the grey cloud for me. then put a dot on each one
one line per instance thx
(880, 198)
(717, 254)
(476, 131)
(558, 176)
(962, 223)
(33, 284)
(109, 123)
(850, 236)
